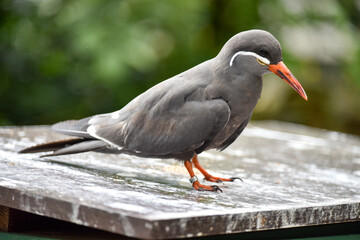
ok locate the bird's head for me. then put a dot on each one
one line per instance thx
(258, 52)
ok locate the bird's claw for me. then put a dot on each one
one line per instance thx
(232, 179)
(200, 187)
(216, 188)
(213, 188)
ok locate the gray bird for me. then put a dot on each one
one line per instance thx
(205, 107)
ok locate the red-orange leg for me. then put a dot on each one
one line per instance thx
(208, 176)
(195, 182)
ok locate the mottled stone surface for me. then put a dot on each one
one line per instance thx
(293, 176)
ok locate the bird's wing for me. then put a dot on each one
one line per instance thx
(168, 128)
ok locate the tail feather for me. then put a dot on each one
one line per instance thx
(85, 146)
(52, 146)
(67, 146)
(77, 128)
(82, 141)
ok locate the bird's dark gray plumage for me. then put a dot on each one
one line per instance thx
(205, 107)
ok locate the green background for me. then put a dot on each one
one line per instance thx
(71, 59)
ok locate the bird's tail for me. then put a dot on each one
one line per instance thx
(67, 146)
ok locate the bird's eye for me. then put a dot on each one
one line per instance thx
(264, 53)
(261, 62)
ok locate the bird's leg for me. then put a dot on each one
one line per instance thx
(209, 177)
(195, 182)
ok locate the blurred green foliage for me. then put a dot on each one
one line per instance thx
(71, 59)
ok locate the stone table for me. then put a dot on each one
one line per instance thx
(293, 176)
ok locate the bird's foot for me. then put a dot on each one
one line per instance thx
(201, 187)
(208, 176)
(211, 178)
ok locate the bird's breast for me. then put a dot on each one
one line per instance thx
(242, 98)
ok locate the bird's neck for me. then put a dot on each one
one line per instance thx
(239, 79)
(243, 87)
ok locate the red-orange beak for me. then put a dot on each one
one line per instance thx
(283, 72)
